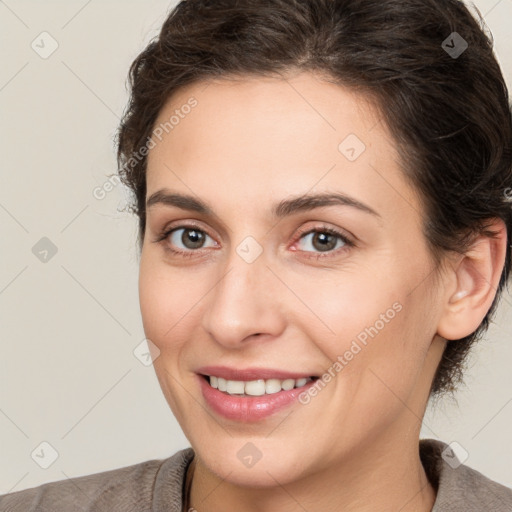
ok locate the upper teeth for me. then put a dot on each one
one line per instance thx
(256, 387)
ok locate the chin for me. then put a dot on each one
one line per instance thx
(241, 463)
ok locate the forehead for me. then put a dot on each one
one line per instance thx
(254, 110)
(261, 135)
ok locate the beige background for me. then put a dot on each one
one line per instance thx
(69, 326)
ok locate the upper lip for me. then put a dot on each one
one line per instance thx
(247, 374)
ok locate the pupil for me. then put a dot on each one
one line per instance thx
(192, 238)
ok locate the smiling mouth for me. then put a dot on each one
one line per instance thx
(257, 387)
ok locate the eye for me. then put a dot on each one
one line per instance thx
(185, 240)
(323, 240)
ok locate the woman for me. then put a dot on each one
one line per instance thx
(323, 194)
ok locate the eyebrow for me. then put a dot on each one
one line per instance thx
(284, 208)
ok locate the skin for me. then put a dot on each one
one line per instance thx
(248, 144)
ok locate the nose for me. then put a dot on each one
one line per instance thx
(244, 304)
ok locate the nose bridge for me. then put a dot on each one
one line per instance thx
(243, 302)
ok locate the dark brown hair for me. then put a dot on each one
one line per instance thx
(446, 105)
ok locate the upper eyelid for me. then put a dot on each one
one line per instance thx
(320, 229)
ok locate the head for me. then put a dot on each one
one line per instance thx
(249, 108)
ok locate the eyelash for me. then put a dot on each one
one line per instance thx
(163, 235)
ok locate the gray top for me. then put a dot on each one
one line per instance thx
(157, 486)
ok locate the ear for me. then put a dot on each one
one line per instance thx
(475, 281)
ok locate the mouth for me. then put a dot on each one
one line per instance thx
(251, 394)
(256, 387)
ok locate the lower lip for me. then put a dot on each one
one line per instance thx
(248, 409)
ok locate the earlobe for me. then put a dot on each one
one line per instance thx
(477, 276)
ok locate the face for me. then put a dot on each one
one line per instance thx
(249, 278)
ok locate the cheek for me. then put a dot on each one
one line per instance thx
(372, 327)
(168, 314)
(386, 372)
(169, 301)
(348, 308)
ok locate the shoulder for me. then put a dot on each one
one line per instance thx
(460, 487)
(136, 488)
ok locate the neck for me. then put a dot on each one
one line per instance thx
(387, 475)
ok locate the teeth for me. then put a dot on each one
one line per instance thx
(256, 387)
(253, 387)
(221, 384)
(234, 387)
(288, 384)
(272, 386)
